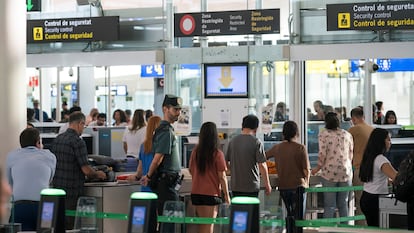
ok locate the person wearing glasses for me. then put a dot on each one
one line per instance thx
(72, 163)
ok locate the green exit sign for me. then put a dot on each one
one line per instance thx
(34, 5)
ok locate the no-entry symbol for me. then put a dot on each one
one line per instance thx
(187, 24)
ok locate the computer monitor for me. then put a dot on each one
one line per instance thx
(244, 215)
(226, 80)
(51, 217)
(142, 212)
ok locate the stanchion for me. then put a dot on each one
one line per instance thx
(299, 207)
(143, 212)
(244, 215)
(51, 216)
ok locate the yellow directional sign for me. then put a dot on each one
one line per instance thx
(226, 78)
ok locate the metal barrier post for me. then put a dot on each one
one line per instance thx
(143, 212)
(299, 207)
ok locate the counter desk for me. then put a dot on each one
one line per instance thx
(111, 197)
(393, 214)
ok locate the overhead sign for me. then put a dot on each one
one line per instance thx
(227, 23)
(371, 16)
(73, 29)
(33, 5)
(152, 71)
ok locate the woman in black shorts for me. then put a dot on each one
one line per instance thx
(208, 170)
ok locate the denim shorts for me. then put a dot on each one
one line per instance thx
(199, 199)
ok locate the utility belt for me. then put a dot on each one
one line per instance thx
(173, 176)
(172, 179)
(21, 202)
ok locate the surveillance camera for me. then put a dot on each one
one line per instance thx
(70, 72)
(372, 67)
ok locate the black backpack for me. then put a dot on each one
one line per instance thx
(403, 185)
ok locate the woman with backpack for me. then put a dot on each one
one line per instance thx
(375, 171)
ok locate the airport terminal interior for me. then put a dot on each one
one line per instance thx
(225, 59)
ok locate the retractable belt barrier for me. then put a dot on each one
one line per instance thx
(225, 220)
(333, 189)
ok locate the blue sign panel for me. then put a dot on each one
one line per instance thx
(385, 65)
(190, 66)
(156, 71)
(395, 65)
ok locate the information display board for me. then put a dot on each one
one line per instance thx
(73, 29)
(371, 16)
(227, 23)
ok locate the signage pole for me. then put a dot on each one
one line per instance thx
(58, 95)
(203, 39)
(368, 92)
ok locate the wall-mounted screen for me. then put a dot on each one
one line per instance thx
(118, 90)
(226, 80)
(121, 90)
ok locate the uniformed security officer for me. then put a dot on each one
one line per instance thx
(165, 167)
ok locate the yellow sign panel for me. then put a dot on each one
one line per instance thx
(331, 67)
(116, 136)
(37, 33)
(344, 20)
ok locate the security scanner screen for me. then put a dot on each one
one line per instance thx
(47, 214)
(240, 221)
(138, 219)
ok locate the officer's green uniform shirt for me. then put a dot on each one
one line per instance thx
(165, 143)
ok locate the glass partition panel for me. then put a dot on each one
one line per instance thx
(332, 84)
(188, 78)
(330, 87)
(129, 89)
(273, 89)
(393, 85)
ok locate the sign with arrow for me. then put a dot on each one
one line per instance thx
(33, 5)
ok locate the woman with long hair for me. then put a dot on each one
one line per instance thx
(336, 148)
(375, 171)
(208, 170)
(134, 134)
(145, 153)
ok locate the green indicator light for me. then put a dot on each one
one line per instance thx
(53, 192)
(245, 200)
(144, 195)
